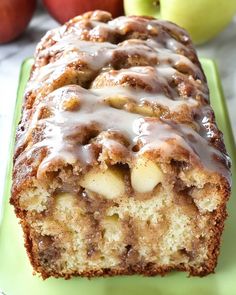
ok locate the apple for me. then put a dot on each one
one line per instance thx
(14, 17)
(63, 10)
(203, 19)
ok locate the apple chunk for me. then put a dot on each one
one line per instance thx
(108, 183)
(145, 175)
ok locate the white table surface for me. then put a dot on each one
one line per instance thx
(222, 49)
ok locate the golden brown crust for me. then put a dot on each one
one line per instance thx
(102, 93)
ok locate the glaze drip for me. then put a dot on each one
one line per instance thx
(148, 91)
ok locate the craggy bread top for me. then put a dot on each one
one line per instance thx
(105, 90)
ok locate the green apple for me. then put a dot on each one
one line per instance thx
(203, 19)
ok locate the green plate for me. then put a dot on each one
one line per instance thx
(15, 270)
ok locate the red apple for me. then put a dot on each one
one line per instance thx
(14, 17)
(63, 10)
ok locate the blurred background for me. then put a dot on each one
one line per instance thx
(211, 23)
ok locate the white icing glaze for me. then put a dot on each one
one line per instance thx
(140, 97)
(63, 129)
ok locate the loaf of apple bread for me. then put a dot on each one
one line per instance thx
(119, 167)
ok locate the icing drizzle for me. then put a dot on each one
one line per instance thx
(153, 70)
